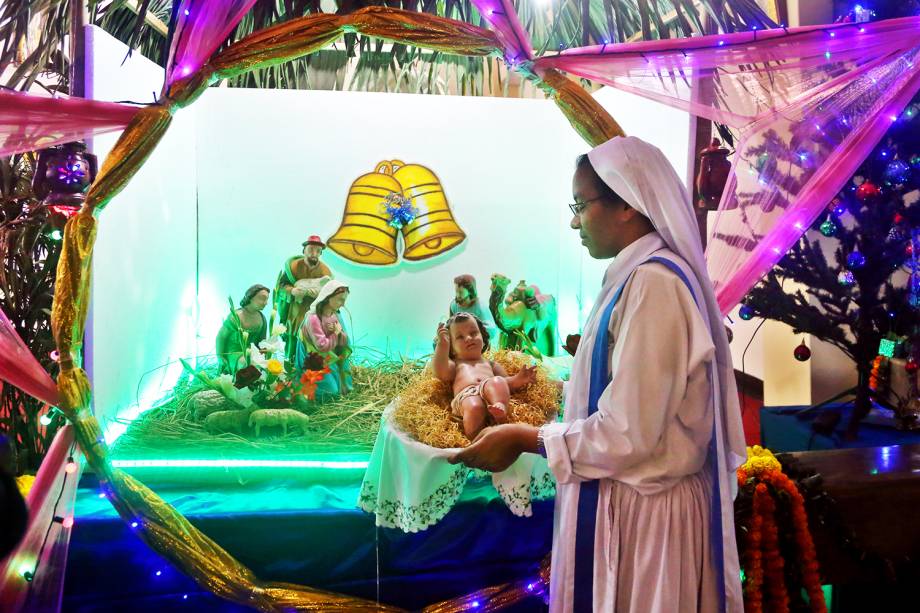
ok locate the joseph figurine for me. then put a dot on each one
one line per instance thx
(299, 282)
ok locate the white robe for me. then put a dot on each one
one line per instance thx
(647, 444)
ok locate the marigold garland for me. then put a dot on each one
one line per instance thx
(765, 583)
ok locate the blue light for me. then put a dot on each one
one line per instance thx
(475, 604)
(134, 524)
(721, 43)
(827, 54)
(186, 12)
(833, 34)
(159, 572)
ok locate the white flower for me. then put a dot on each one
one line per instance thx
(274, 346)
(243, 397)
(224, 384)
(256, 358)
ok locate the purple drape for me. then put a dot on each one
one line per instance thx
(810, 104)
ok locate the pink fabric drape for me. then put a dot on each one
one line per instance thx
(504, 20)
(810, 104)
(20, 368)
(43, 548)
(29, 122)
(201, 26)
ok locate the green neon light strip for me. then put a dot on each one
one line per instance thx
(238, 464)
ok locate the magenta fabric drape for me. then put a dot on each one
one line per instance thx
(29, 122)
(810, 104)
(20, 368)
(504, 21)
(201, 26)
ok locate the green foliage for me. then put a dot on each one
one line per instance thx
(29, 254)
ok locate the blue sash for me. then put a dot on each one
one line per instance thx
(589, 491)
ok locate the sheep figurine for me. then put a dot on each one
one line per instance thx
(226, 421)
(312, 287)
(262, 418)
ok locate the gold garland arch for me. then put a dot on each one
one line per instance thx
(163, 528)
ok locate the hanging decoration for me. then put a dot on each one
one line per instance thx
(856, 260)
(868, 191)
(828, 227)
(846, 278)
(746, 312)
(802, 353)
(897, 172)
(62, 175)
(396, 197)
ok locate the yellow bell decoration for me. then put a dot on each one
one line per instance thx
(434, 230)
(365, 235)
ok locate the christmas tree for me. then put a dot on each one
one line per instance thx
(858, 264)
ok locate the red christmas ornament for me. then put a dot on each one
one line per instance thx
(714, 171)
(867, 191)
(911, 366)
(802, 353)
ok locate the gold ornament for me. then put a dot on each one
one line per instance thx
(365, 235)
(434, 229)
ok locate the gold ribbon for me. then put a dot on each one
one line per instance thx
(592, 122)
(159, 524)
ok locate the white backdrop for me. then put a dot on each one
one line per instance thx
(244, 176)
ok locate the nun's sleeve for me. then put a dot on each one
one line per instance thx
(661, 347)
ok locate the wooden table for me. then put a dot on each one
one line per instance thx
(877, 490)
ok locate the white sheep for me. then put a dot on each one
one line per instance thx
(278, 417)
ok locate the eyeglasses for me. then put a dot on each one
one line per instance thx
(578, 207)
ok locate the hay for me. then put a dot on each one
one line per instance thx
(423, 410)
(345, 424)
(348, 423)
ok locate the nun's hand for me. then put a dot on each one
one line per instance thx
(496, 448)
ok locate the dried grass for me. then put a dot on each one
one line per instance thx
(423, 410)
(345, 424)
(348, 423)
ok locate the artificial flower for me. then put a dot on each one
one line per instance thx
(247, 376)
(273, 347)
(256, 358)
(274, 367)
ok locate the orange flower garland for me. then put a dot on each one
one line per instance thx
(753, 561)
(765, 578)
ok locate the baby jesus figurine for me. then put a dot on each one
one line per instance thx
(481, 387)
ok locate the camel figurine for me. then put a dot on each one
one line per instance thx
(524, 310)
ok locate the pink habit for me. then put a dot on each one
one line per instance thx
(671, 391)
